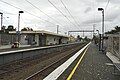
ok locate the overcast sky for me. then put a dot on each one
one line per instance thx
(85, 14)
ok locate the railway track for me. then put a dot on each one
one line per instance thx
(41, 74)
(15, 71)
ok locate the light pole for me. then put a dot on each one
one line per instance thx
(1, 27)
(1, 19)
(57, 29)
(101, 9)
(94, 25)
(18, 32)
(99, 42)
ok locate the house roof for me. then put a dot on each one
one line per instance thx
(38, 32)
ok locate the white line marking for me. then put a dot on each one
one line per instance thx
(112, 57)
(58, 71)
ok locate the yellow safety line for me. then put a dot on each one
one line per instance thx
(74, 69)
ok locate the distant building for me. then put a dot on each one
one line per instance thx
(6, 38)
(40, 38)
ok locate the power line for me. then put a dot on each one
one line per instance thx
(69, 12)
(25, 11)
(61, 12)
(94, 10)
(5, 12)
(107, 4)
(6, 20)
(41, 11)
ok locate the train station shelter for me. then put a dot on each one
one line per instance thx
(40, 38)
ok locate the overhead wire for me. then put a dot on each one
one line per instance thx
(5, 12)
(26, 11)
(69, 12)
(6, 20)
(94, 10)
(77, 25)
(61, 12)
(29, 12)
(107, 4)
(106, 10)
(42, 11)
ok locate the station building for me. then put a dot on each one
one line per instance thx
(39, 38)
(7, 39)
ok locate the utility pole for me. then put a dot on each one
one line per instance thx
(101, 9)
(99, 42)
(103, 30)
(1, 19)
(18, 32)
(93, 29)
(83, 33)
(1, 27)
(57, 29)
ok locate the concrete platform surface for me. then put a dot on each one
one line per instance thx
(93, 67)
(9, 46)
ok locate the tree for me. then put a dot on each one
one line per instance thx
(10, 28)
(3, 27)
(24, 29)
(27, 29)
(117, 29)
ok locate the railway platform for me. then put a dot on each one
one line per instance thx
(94, 66)
(87, 64)
(22, 64)
(9, 46)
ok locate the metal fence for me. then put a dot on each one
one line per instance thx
(113, 44)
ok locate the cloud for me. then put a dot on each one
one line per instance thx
(91, 21)
(101, 0)
(84, 12)
(111, 1)
(88, 10)
(111, 15)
